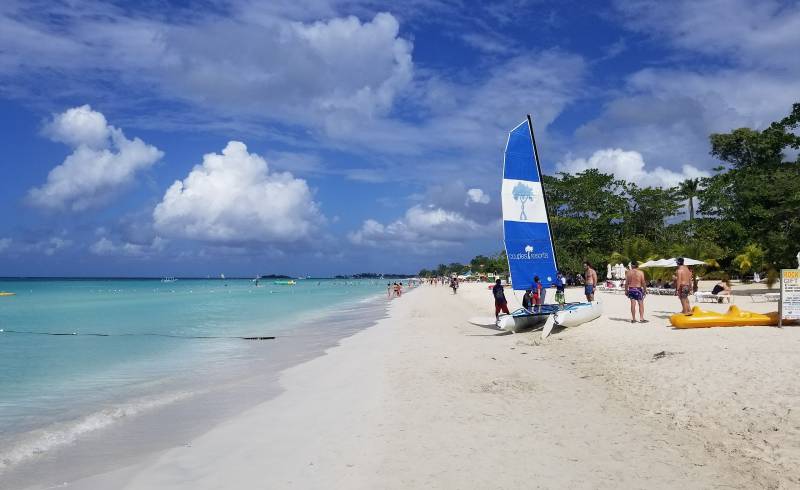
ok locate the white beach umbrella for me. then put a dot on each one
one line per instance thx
(608, 272)
(671, 262)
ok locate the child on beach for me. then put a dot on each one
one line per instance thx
(561, 282)
(538, 293)
(527, 299)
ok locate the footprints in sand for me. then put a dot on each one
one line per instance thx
(506, 386)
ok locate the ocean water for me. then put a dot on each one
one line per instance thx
(79, 356)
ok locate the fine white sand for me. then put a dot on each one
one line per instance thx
(426, 400)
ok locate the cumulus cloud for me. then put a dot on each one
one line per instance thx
(421, 227)
(762, 33)
(233, 198)
(103, 161)
(477, 196)
(107, 247)
(631, 166)
(49, 246)
(744, 73)
(246, 60)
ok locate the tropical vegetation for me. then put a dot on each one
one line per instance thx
(744, 218)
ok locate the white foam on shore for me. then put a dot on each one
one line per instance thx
(40, 441)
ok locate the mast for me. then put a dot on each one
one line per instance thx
(544, 194)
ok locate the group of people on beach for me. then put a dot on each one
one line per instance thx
(394, 290)
(533, 299)
(635, 286)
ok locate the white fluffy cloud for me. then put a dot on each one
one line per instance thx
(630, 166)
(233, 198)
(477, 196)
(421, 227)
(103, 161)
(5, 243)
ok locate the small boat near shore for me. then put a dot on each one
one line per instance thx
(7, 293)
(528, 238)
(286, 282)
(734, 317)
(523, 319)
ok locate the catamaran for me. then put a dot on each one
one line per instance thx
(528, 237)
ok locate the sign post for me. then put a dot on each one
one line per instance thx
(789, 308)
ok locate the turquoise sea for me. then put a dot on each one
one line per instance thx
(78, 357)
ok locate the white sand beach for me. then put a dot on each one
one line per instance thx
(426, 400)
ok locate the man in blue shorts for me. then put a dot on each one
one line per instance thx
(590, 278)
(635, 290)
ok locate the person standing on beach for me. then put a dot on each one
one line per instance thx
(683, 285)
(454, 284)
(590, 281)
(527, 299)
(538, 293)
(500, 303)
(561, 282)
(635, 290)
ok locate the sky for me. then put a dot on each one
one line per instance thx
(321, 137)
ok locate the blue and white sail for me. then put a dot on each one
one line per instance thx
(526, 228)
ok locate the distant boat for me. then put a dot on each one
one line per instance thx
(7, 293)
(222, 276)
(168, 279)
(284, 282)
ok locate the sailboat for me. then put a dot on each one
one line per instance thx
(527, 235)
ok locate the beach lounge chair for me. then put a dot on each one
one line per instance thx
(709, 297)
(763, 298)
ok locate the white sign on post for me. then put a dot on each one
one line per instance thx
(790, 295)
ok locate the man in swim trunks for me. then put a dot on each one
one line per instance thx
(683, 285)
(590, 283)
(635, 290)
(500, 303)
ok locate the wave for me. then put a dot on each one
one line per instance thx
(40, 441)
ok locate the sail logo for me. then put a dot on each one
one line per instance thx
(523, 193)
(523, 202)
(529, 254)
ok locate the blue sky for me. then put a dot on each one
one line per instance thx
(324, 136)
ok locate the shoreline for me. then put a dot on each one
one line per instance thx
(130, 430)
(424, 399)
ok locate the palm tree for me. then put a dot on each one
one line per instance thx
(689, 189)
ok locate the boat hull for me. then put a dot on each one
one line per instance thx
(734, 317)
(578, 314)
(525, 320)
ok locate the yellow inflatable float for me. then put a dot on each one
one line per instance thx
(6, 293)
(734, 317)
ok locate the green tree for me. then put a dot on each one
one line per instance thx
(750, 260)
(758, 193)
(688, 190)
